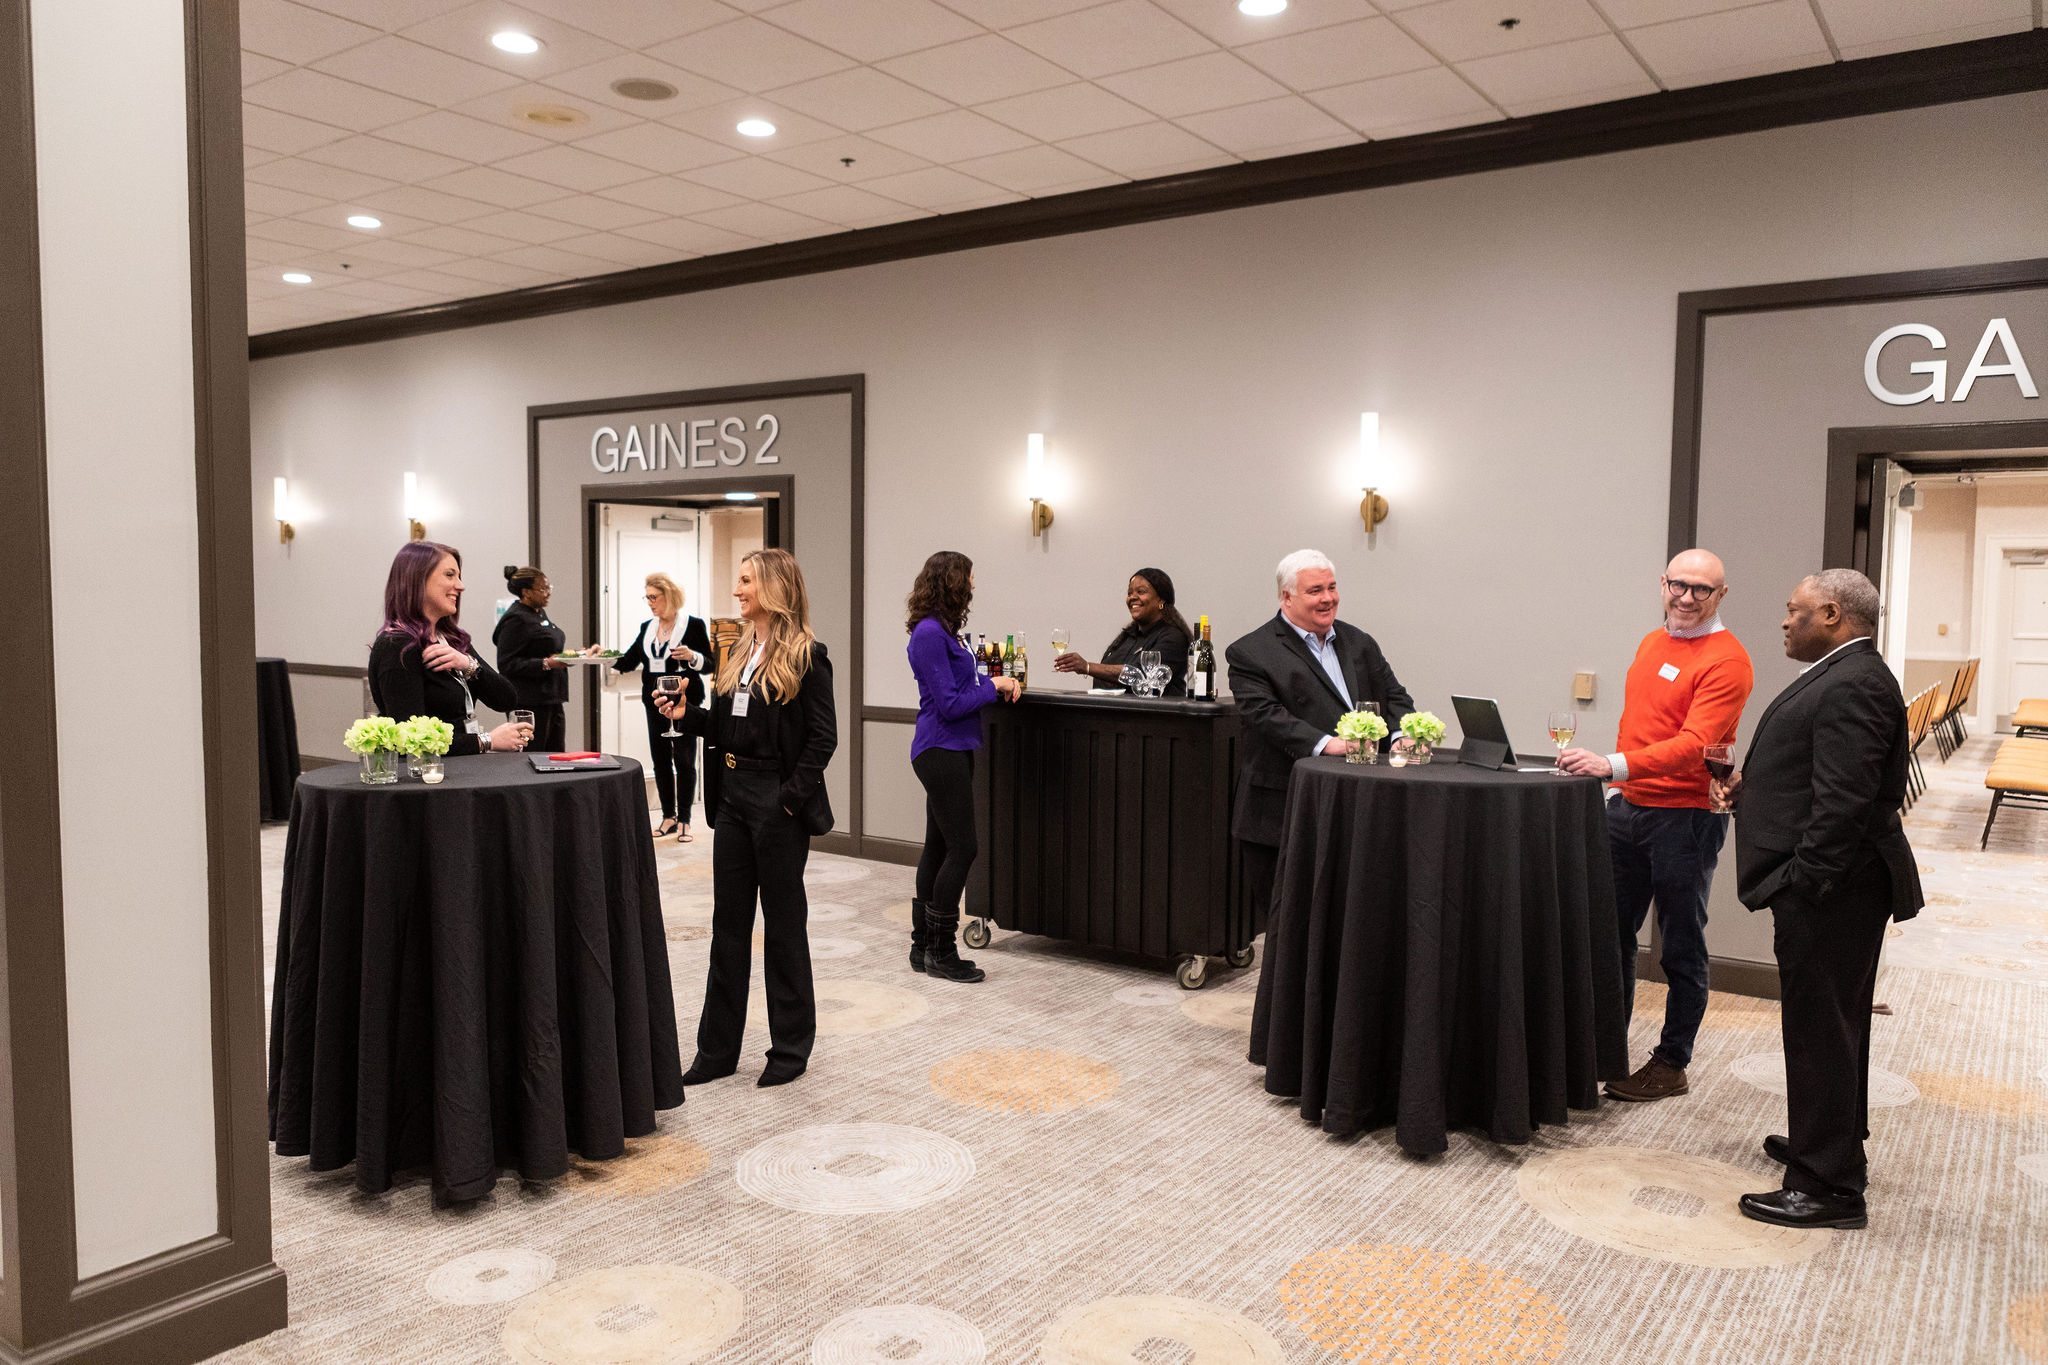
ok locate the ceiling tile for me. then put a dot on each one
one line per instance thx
(1225, 24)
(1269, 128)
(457, 135)
(1010, 13)
(297, 35)
(1378, 107)
(1068, 111)
(870, 30)
(622, 253)
(386, 15)
(1559, 76)
(666, 195)
(860, 99)
(438, 281)
(953, 136)
(327, 99)
(383, 294)
(1113, 37)
(751, 55)
(942, 190)
(828, 158)
(268, 252)
(408, 254)
(466, 32)
(1149, 149)
(985, 68)
(572, 168)
(567, 265)
(638, 23)
(256, 67)
(310, 177)
(593, 214)
(850, 207)
(754, 178)
(1039, 171)
(286, 134)
(434, 206)
(509, 109)
(274, 201)
(463, 241)
(1636, 13)
(1460, 30)
(689, 238)
(302, 234)
(255, 156)
(521, 226)
(1338, 55)
(657, 147)
(1192, 85)
(337, 215)
(1732, 45)
(767, 222)
(406, 68)
(1870, 28)
(720, 123)
(391, 160)
(504, 274)
(594, 82)
(490, 185)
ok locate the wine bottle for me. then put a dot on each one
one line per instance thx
(1020, 667)
(981, 655)
(1202, 666)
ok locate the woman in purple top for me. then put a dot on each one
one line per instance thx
(950, 695)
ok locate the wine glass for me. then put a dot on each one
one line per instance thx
(671, 686)
(1720, 761)
(1060, 640)
(1563, 725)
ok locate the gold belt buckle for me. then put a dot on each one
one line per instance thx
(731, 762)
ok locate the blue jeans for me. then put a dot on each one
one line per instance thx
(1666, 855)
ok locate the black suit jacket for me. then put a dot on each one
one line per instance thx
(1821, 788)
(695, 637)
(402, 686)
(805, 731)
(1288, 704)
(525, 638)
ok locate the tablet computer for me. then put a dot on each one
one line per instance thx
(1486, 736)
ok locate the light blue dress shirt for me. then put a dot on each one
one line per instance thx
(1326, 656)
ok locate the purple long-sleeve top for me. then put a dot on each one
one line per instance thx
(950, 693)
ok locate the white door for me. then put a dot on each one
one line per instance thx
(639, 540)
(1895, 555)
(2027, 644)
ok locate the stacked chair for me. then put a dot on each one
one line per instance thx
(2019, 775)
(1919, 719)
(1949, 730)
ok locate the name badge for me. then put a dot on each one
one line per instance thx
(740, 698)
(1669, 673)
(470, 725)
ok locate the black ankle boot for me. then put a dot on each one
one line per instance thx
(941, 958)
(920, 933)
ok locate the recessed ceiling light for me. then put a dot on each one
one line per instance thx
(297, 277)
(512, 40)
(364, 220)
(741, 497)
(756, 127)
(550, 115)
(643, 88)
(1260, 9)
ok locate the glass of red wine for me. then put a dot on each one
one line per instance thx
(1720, 760)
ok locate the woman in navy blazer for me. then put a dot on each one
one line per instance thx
(670, 641)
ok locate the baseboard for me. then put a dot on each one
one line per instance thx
(308, 762)
(1732, 975)
(899, 851)
(180, 1331)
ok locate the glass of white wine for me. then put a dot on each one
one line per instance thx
(1059, 640)
(1563, 726)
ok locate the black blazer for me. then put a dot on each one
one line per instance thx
(1821, 787)
(525, 638)
(402, 686)
(1288, 704)
(804, 729)
(694, 635)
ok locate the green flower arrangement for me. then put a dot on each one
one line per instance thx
(1361, 727)
(371, 735)
(1423, 726)
(424, 736)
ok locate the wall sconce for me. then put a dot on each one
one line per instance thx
(1372, 509)
(280, 500)
(412, 506)
(1034, 483)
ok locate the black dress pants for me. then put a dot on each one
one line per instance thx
(758, 851)
(949, 843)
(1827, 966)
(1261, 864)
(550, 729)
(675, 767)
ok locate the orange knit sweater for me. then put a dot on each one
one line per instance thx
(1682, 695)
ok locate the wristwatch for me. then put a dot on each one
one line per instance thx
(483, 742)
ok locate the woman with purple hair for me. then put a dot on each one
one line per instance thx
(421, 663)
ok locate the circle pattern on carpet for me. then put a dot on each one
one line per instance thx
(1025, 1080)
(1398, 1304)
(2034, 1166)
(1219, 1009)
(852, 1007)
(1149, 993)
(652, 1163)
(848, 1168)
(2027, 1323)
(1980, 1095)
(626, 1315)
(494, 1275)
(1603, 1195)
(898, 914)
(899, 1334)
(829, 912)
(833, 949)
(687, 933)
(833, 873)
(1112, 1331)
(1766, 1071)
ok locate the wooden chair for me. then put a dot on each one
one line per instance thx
(2018, 777)
(2030, 718)
(1919, 717)
(1939, 724)
(725, 633)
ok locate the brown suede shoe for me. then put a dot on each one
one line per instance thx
(1654, 1081)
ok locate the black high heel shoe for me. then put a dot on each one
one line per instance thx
(668, 827)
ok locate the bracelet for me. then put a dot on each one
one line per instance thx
(483, 743)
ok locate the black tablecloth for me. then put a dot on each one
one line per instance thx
(470, 976)
(277, 738)
(1442, 952)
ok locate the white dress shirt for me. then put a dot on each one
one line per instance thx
(1324, 651)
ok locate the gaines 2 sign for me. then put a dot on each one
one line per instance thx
(702, 444)
(1936, 387)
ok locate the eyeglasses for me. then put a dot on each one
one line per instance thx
(1681, 589)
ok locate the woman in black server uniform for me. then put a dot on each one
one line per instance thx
(1155, 624)
(422, 662)
(768, 735)
(670, 641)
(527, 644)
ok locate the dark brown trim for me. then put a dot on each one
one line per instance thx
(889, 715)
(328, 670)
(901, 852)
(1871, 85)
(1733, 975)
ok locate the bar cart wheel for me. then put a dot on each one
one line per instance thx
(975, 935)
(1241, 958)
(1192, 973)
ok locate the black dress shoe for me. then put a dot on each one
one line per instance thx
(700, 1073)
(1778, 1149)
(1798, 1209)
(780, 1075)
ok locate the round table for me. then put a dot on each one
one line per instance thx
(470, 976)
(1442, 951)
(277, 739)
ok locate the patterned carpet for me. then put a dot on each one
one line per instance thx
(1073, 1164)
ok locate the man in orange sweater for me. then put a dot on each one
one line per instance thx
(1685, 690)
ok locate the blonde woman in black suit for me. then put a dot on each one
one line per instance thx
(670, 641)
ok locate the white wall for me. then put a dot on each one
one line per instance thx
(2009, 512)
(1199, 382)
(114, 225)
(1939, 591)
